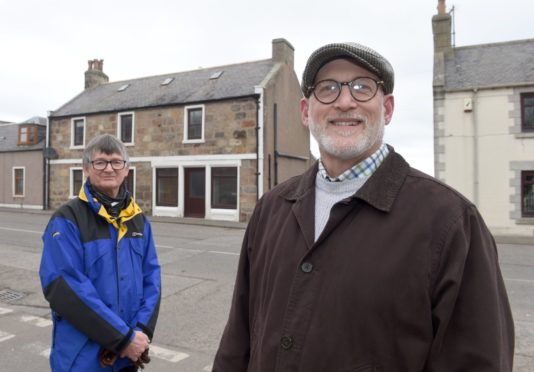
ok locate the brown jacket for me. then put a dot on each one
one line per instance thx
(404, 277)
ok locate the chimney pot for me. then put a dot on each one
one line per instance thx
(441, 7)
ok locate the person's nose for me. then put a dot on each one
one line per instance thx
(108, 168)
(345, 101)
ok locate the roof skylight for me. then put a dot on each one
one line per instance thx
(123, 87)
(216, 75)
(167, 81)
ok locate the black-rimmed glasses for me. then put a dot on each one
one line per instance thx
(362, 89)
(102, 164)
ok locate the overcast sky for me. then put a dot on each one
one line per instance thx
(45, 45)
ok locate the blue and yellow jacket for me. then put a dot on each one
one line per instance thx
(101, 277)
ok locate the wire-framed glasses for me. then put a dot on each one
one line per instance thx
(102, 164)
(362, 89)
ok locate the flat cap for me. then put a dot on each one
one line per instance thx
(360, 54)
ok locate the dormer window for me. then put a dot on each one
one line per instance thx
(28, 135)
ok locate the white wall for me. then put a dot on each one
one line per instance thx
(479, 148)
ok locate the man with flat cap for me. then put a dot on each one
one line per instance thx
(364, 263)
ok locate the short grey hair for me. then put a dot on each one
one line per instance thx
(107, 144)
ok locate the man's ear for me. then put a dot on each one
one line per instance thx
(389, 107)
(304, 108)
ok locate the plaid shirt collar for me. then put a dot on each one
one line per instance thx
(363, 169)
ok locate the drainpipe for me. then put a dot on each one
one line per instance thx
(46, 162)
(275, 140)
(259, 141)
(476, 167)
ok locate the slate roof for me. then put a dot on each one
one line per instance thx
(490, 65)
(9, 135)
(237, 80)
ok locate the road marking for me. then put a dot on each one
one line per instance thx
(46, 352)
(519, 280)
(226, 253)
(21, 230)
(3, 311)
(36, 320)
(199, 250)
(4, 336)
(166, 354)
(39, 348)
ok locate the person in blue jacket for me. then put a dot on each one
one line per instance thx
(99, 269)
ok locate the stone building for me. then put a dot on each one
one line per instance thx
(205, 143)
(21, 163)
(484, 125)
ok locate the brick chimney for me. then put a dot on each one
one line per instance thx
(94, 75)
(283, 52)
(441, 27)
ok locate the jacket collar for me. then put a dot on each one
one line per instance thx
(126, 214)
(380, 190)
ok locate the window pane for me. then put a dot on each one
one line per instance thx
(167, 187)
(224, 188)
(527, 113)
(194, 124)
(197, 184)
(528, 120)
(77, 181)
(78, 132)
(19, 182)
(33, 134)
(23, 134)
(129, 182)
(126, 128)
(527, 185)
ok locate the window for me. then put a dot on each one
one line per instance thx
(18, 181)
(130, 182)
(126, 128)
(224, 187)
(76, 181)
(167, 187)
(28, 135)
(527, 193)
(78, 132)
(527, 112)
(194, 125)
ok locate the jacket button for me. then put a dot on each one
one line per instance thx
(306, 267)
(286, 342)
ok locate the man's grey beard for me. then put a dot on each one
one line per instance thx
(373, 134)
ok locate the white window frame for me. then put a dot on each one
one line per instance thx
(119, 127)
(74, 193)
(196, 162)
(23, 182)
(72, 146)
(186, 117)
(167, 210)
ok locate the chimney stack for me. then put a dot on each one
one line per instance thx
(94, 75)
(283, 52)
(441, 27)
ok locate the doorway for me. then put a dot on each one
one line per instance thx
(195, 192)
